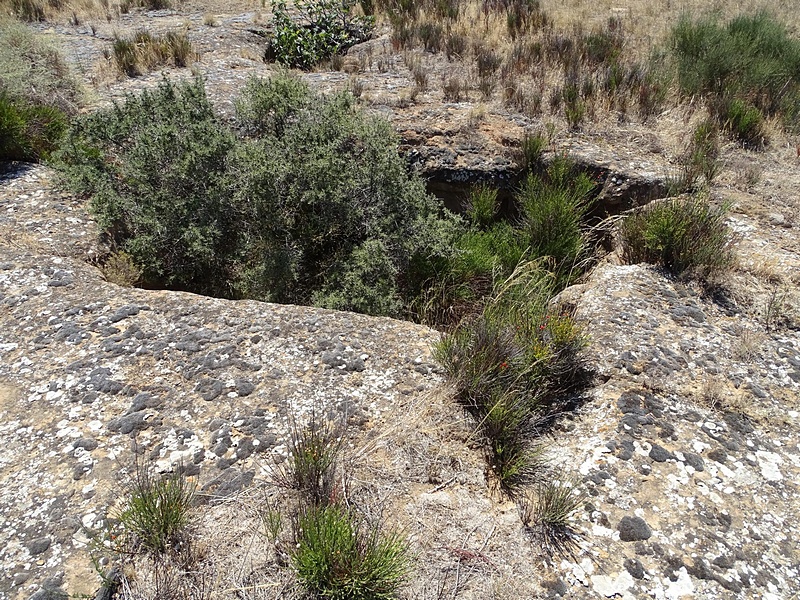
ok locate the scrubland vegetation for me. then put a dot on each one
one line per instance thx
(305, 199)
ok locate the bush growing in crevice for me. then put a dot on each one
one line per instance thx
(312, 205)
(514, 366)
(155, 169)
(683, 235)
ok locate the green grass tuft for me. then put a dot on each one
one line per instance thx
(339, 557)
(158, 511)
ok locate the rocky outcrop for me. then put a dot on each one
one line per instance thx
(687, 449)
(205, 384)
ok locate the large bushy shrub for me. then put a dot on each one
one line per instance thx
(155, 169)
(340, 222)
(313, 205)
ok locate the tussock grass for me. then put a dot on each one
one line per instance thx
(338, 555)
(547, 513)
(312, 465)
(143, 52)
(157, 512)
(513, 366)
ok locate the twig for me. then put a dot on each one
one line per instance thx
(441, 486)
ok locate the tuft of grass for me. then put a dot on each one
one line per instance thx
(548, 512)
(145, 52)
(700, 159)
(482, 207)
(533, 146)
(338, 556)
(311, 468)
(553, 210)
(745, 123)
(683, 235)
(158, 512)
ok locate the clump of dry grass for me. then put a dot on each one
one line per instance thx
(144, 51)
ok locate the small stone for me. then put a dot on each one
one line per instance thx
(244, 387)
(210, 389)
(38, 546)
(660, 454)
(694, 460)
(718, 455)
(633, 529)
(634, 567)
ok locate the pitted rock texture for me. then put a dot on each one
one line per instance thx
(687, 450)
(203, 383)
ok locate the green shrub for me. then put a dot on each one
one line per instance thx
(37, 94)
(483, 206)
(512, 366)
(324, 28)
(682, 235)
(533, 146)
(750, 64)
(553, 210)
(154, 167)
(700, 159)
(29, 132)
(265, 108)
(335, 217)
(315, 206)
(157, 513)
(338, 556)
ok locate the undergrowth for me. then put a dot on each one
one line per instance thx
(749, 68)
(37, 94)
(683, 235)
